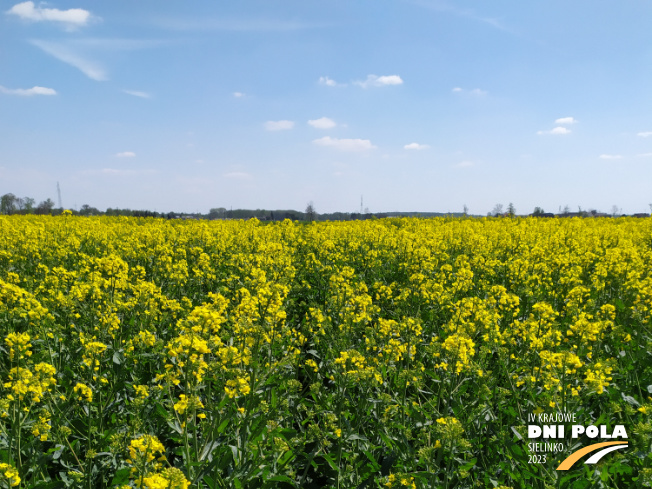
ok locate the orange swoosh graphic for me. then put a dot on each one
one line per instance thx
(575, 456)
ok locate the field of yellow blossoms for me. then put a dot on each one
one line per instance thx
(371, 354)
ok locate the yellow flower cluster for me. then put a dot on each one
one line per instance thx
(237, 387)
(83, 392)
(9, 475)
(144, 449)
(19, 346)
(36, 382)
(193, 404)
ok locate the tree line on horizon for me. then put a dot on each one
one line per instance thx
(10, 204)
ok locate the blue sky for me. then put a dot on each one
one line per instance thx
(421, 105)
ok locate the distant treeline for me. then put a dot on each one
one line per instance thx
(10, 204)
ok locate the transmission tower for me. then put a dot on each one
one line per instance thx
(59, 196)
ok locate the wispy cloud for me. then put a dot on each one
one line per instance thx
(118, 44)
(441, 6)
(28, 92)
(464, 164)
(238, 175)
(64, 53)
(74, 17)
(238, 94)
(644, 155)
(416, 146)
(136, 93)
(477, 92)
(379, 81)
(126, 154)
(566, 120)
(610, 157)
(329, 82)
(278, 125)
(322, 123)
(236, 25)
(557, 131)
(353, 145)
(645, 134)
(118, 172)
(82, 53)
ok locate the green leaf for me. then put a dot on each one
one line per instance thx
(469, 464)
(121, 477)
(516, 450)
(331, 462)
(222, 426)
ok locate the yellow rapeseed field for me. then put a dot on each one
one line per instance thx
(371, 354)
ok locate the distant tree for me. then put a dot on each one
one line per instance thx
(8, 204)
(497, 210)
(311, 213)
(465, 209)
(511, 210)
(566, 210)
(28, 204)
(87, 210)
(615, 211)
(217, 213)
(45, 207)
(538, 211)
(20, 203)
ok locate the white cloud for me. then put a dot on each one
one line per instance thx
(379, 81)
(476, 92)
(28, 92)
(345, 144)
(644, 155)
(611, 157)
(416, 146)
(126, 154)
(278, 125)
(322, 123)
(556, 131)
(464, 164)
(63, 53)
(238, 94)
(237, 175)
(72, 17)
(136, 93)
(645, 134)
(566, 120)
(329, 82)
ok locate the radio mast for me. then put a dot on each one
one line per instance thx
(59, 195)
